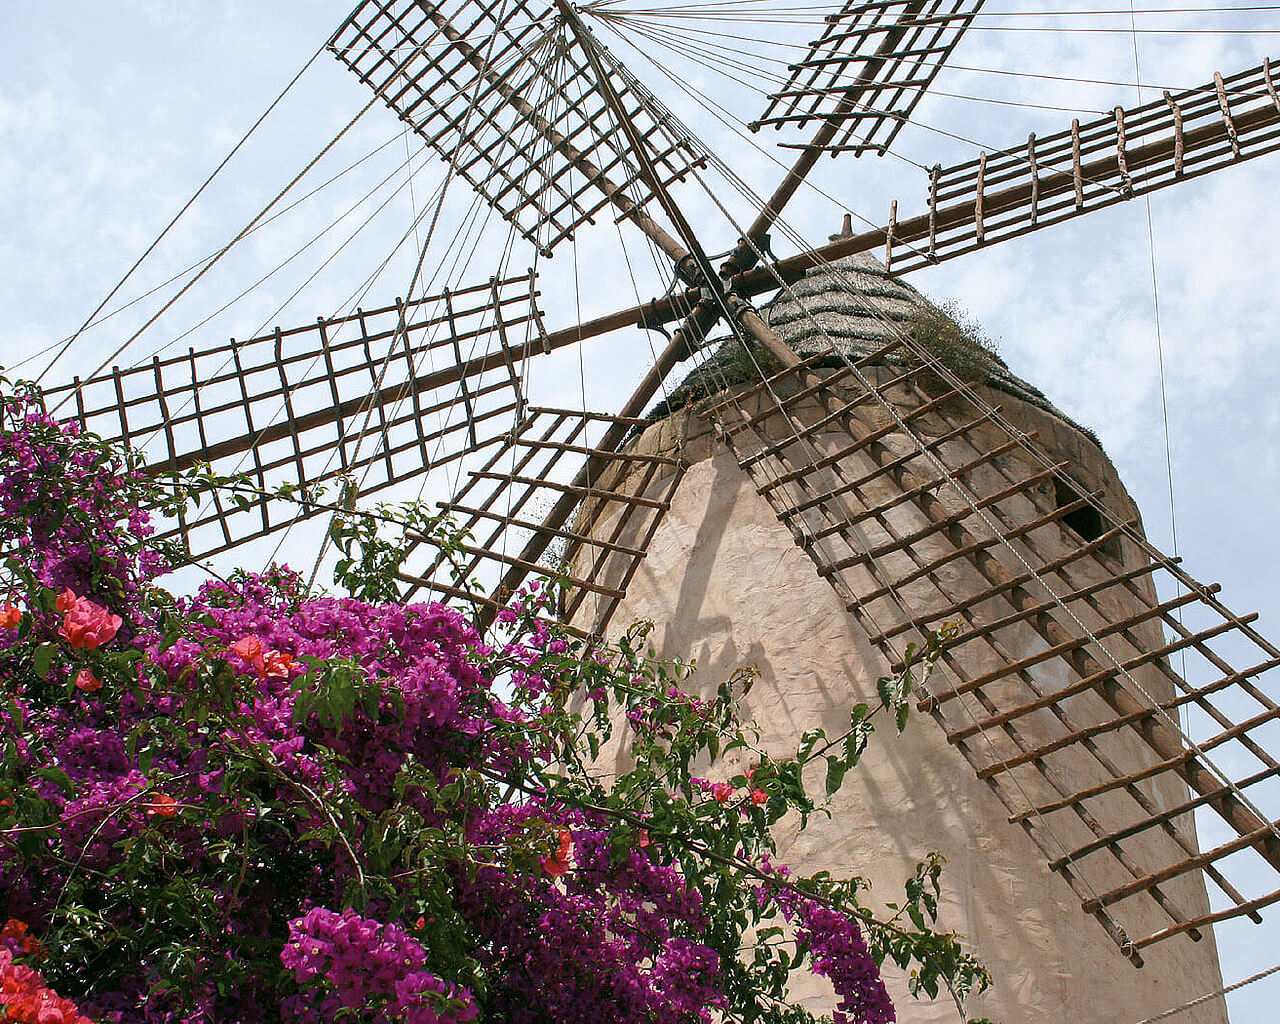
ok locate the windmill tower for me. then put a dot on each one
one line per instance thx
(895, 552)
(907, 495)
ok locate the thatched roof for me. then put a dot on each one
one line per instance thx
(856, 307)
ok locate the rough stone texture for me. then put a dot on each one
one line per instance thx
(726, 586)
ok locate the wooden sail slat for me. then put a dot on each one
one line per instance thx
(232, 533)
(489, 496)
(860, 481)
(1066, 646)
(1196, 641)
(306, 406)
(589, 492)
(994, 590)
(910, 494)
(1185, 807)
(309, 352)
(937, 524)
(1243, 842)
(604, 615)
(1086, 683)
(592, 563)
(529, 524)
(920, 478)
(1051, 602)
(1048, 773)
(868, 70)
(501, 499)
(833, 457)
(1251, 908)
(771, 381)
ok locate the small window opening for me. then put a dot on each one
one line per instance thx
(1086, 520)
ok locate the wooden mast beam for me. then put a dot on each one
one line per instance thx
(919, 228)
(701, 320)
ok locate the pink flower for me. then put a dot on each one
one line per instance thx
(722, 791)
(264, 661)
(66, 601)
(88, 625)
(10, 617)
(87, 682)
(644, 837)
(276, 664)
(557, 864)
(759, 796)
(250, 649)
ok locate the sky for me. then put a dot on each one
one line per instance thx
(111, 116)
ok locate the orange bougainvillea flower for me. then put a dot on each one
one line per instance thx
(162, 805)
(276, 664)
(14, 935)
(250, 649)
(10, 616)
(66, 601)
(87, 682)
(268, 664)
(558, 863)
(24, 999)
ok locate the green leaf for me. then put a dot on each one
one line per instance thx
(836, 769)
(54, 774)
(854, 744)
(42, 660)
(807, 742)
(886, 687)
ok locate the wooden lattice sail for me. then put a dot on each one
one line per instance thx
(504, 96)
(871, 66)
(551, 459)
(375, 398)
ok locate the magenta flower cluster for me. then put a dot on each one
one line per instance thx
(348, 962)
(61, 503)
(187, 788)
(611, 941)
(840, 954)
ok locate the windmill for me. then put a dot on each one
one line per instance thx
(462, 75)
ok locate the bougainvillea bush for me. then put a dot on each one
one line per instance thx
(259, 804)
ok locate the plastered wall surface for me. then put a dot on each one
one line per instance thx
(726, 586)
